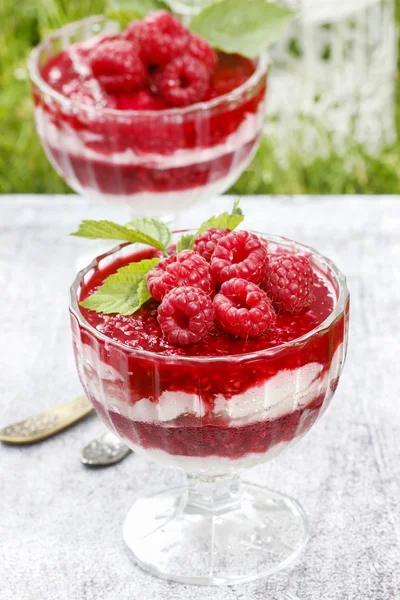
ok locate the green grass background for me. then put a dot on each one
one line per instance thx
(25, 169)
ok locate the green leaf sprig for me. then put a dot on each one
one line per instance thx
(125, 291)
(245, 27)
(145, 231)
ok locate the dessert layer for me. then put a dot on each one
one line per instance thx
(280, 395)
(141, 331)
(149, 203)
(90, 145)
(119, 180)
(195, 436)
(210, 465)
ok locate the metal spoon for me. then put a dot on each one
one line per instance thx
(103, 451)
(46, 424)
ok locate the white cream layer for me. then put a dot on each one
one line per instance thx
(207, 465)
(283, 393)
(67, 140)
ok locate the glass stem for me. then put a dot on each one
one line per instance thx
(213, 494)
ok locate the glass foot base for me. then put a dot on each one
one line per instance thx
(253, 535)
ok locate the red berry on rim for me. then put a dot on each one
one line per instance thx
(243, 309)
(202, 50)
(185, 315)
(206, 242)
(239, 254)
(183, 81)
(161, 37)
(184, 269)
(117, 66)
(290, 282)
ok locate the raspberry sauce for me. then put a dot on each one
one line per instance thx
(142, 332)
(212, 398)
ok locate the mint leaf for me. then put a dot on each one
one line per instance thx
(143, 292)
(236, 210)
(224, 220)
(107, 230)
(156, 230)
(125, 11)
(185, 242)
(244, 26)
(124, 292)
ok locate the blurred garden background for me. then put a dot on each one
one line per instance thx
(25, 169)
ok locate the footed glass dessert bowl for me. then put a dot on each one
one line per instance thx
(252, 380)
(154, 138)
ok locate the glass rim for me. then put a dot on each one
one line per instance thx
(342, 296)
(36, 78)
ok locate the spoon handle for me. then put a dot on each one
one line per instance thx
(44, 425)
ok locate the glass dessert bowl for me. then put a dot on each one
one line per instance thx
(212, 409)
(132, 148)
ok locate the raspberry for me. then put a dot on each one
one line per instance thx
(117, 66)
(206, 242)
(239, 254)
(161, 37)
(183, 81)
(185, 315)
(243, 309)
(88, 92)
(140, 100)
(134, 31)
(200, 49)
(290, 282)
(184, 269)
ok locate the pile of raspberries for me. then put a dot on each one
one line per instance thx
(230, 279)
(157, 56)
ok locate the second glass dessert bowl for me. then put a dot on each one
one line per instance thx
(155, 162)
(213, 416)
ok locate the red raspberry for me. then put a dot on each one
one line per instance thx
(88, 92)
(239, 254)
(290, 282)
(161, 37)
(185, 315)
(243, 309)
(134, 31)
(200, 49)
(183, 81)
(206, 242)
(140, 100)
(183, 269)
(117, 66)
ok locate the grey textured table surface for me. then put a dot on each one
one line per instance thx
(60, 524)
